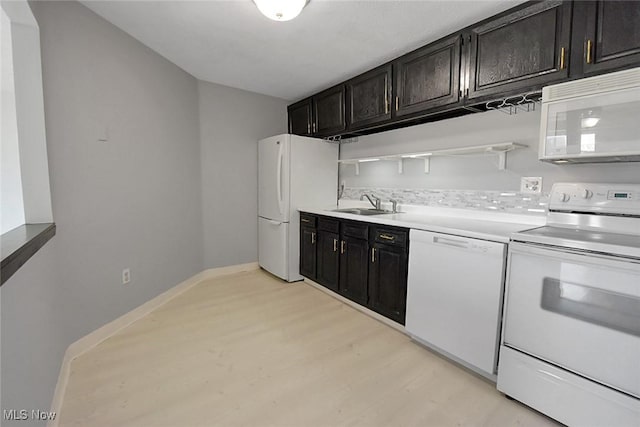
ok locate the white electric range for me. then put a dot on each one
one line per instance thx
(570, 343)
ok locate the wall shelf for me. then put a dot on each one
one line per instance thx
(500, 150)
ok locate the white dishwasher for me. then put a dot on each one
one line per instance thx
(454, 297)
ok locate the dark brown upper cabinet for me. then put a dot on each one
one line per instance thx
(606, 36)
(520, 50)
(369, 98)
(534, 44)
(329, 112)
(428, 77)
(300, 117)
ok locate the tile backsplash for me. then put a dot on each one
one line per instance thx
(501, 201)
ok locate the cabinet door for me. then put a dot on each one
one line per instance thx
(606, 35)
(368, 98)
(428, 77)
(329, 115)
(328, 272)
(308, 252)
(354, 265)
(300, 118)
(388, 281)
(520, 51)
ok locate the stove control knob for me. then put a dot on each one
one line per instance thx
(564, 197)
(586, 194)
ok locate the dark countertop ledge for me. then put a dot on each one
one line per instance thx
(20, 244)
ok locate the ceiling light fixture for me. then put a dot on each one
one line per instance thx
(280, 10)
(589, 122)
(590, 119)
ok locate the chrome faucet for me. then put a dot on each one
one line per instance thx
(375, 204)
(394, 204)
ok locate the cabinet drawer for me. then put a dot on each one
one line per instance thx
(390, 236)
(328, 224)
(307, 220)
(355, 229)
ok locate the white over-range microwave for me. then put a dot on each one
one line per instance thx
(595, 120)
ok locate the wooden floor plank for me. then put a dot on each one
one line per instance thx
(250, 350)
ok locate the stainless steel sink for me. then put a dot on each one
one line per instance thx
(358, 211)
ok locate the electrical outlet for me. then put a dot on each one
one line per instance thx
(531, 184)
(126, 276)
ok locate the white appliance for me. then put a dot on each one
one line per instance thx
(293, 171)
(592, 120)
(454, 297)
(571, 335)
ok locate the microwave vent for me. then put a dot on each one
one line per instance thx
(592, 85)
(594, 159)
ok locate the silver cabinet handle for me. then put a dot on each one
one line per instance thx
(386, 95)
(373, 254)
(335, 245)
(313, 237)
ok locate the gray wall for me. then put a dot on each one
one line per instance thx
(231, 123)
(470, 173)
(134, 201)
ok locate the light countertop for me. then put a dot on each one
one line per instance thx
(484, 225)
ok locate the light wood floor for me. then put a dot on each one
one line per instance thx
(248, 349)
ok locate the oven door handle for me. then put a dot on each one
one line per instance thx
(601, 307)
(595, 258)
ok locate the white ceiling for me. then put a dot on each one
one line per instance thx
(231, 43)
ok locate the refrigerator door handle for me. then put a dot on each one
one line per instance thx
(272, 222)
(279, 177)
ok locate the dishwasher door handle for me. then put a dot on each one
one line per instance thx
(451, 242)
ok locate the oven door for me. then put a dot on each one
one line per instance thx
(578, 311)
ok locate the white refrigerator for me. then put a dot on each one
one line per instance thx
(293, 172)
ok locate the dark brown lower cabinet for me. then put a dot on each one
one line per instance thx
(354, 266)
(387, 281)
(328, 272)
(364, 263)
(308, 252)
(388, 265)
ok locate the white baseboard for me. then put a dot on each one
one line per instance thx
(94, 338)
(395, 325)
